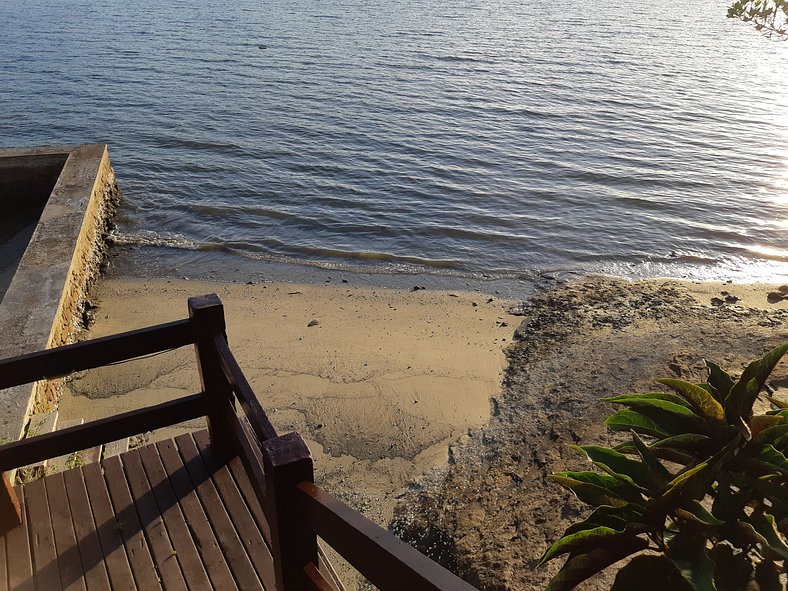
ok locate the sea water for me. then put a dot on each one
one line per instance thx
(502, 138)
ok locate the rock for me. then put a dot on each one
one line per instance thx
(776, 296)
(716, 302)
(731, 299)
(313, 323)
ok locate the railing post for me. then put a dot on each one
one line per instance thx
(207, 313)
(287, 462)
(10, 509)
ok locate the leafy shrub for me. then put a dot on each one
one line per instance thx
(699, 495)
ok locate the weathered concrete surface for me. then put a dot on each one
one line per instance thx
(25, 185)
(46, 297)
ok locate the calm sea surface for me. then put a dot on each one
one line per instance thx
(451, 137)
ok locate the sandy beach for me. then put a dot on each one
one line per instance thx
(379, 384)
(441, 413)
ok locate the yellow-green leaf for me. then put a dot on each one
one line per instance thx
(597, 489)
(698, 397)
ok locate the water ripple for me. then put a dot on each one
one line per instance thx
(441, 137)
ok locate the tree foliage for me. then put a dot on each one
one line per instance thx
(699, 494)
(770, 17)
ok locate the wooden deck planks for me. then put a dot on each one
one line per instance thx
(162, 551)
(251, 536)
(42, 539)
(90, 552)
(242, 481)
(170, 511)
(68, 559)
(108, 529)
(127, 524)
(168, 515)
(19, 562)
(228, 538)
(210, 551)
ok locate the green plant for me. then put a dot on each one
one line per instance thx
(699, 495)
(75, 460)
(769, 17)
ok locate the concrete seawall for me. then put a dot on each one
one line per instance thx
(45, 300)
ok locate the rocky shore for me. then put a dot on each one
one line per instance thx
(492, 511)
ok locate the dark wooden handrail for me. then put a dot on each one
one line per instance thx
(62, 361)
(243, 391)
(388, 562)
(249, 452)
(65, 441)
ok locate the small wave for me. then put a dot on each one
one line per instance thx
(151, 238)
(148, 238)
(459, 58)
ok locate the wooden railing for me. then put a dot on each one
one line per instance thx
(279, 468)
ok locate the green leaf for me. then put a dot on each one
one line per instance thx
(728, 504)
(767, 529)
(764, 532)
(618, 465)
(777, 402)
(689, 556)
(659, 473)
(648, 399)
(700, 399)
(686, 441)
(668, 454)
(772, 435)
(758, 423)
(764, 460)
(693, 483)
(587, 538)
(720, 380)
(654, 422)
(660, 405)
(695, 512)
(632, 518)
(693, 476)
(743, 394)
(649, 573)
(598, 489)
(581, 566)
(767, 487)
